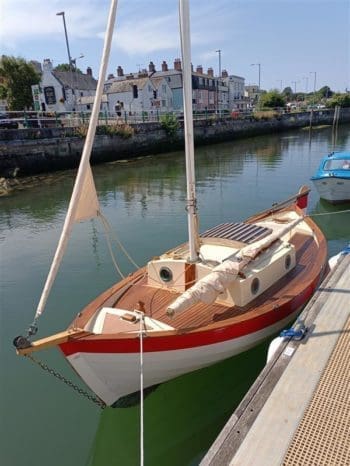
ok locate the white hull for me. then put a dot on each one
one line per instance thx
(333, 189)
(113, 375)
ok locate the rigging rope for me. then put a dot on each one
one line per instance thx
(328, 213)
(109, 230)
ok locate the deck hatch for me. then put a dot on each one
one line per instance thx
(244, 232)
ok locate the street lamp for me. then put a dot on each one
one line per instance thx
(74, 61)
(259, 65)
(280, 81)
(306, 83)
(295, 86)
(61, 13)
(219, 52)
(314, 73)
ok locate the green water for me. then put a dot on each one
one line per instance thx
(44, 422)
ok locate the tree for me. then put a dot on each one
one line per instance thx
(17, 76)
(271, 99)
(287, 92)
(325, 91)
(65, 67)
(342, 100)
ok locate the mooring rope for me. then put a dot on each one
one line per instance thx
(329, 213)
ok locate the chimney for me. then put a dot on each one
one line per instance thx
(192, 67)
(211, 72)
(47, 65)
(151, 67)
(164, 66)
(89, 71)
(177, 64)
(120, 71)
(110, 76)
(224, 74)
(199, 69)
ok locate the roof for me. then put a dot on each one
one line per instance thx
(80, 81)
(157, 81)
(89, 99)
(126, 85)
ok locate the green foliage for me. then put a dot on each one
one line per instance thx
(265, 115)
(123, 130)
(342, 100)
(17, 77)
(287, 91)
(325, 91)
(271, 99)
(170, 124)
(65, 67)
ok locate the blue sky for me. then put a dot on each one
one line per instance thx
(289, 38)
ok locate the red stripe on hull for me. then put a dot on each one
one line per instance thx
(188, 340)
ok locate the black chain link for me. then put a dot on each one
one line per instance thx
(68, 382)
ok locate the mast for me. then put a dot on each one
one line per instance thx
(84, 171)
(191, 205)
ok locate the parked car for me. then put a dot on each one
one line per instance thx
(7, 123)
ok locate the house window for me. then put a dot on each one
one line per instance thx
(81, 94)
(163, 103)
(164, 88)
(88, 106)
(149, 88)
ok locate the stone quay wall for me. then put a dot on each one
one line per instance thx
(31, 151)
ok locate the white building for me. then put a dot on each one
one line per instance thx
(63, 91)
(139, 95)
(235, 86)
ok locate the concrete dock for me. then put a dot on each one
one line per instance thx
(298, 410)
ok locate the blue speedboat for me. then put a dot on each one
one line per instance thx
(332, 179)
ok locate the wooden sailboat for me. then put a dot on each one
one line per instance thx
(206, 300)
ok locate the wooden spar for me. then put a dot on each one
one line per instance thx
(84, 166)
(53, 340)
(184, 15)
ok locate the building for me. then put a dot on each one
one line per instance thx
(141, 92)
(63, 91)
(252, 93)
(236, 97)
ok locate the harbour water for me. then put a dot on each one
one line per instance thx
(42, 420)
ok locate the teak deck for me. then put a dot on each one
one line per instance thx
(290, 288)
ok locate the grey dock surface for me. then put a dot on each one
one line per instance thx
(298, 410)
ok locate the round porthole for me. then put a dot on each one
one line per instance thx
(255, 286)
(288, 262)
(165, 274)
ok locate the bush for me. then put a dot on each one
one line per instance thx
(120, 129)
(265, 115)
(342, 100)
(170, 124)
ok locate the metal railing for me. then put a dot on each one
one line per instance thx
(76, 119)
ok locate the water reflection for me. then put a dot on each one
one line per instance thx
(181, 418)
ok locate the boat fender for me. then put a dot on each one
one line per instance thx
(21, 342)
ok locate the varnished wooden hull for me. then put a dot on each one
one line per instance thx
(202, 335)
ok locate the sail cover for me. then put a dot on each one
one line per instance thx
(88, 205)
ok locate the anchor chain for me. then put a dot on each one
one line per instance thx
(68, 382)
